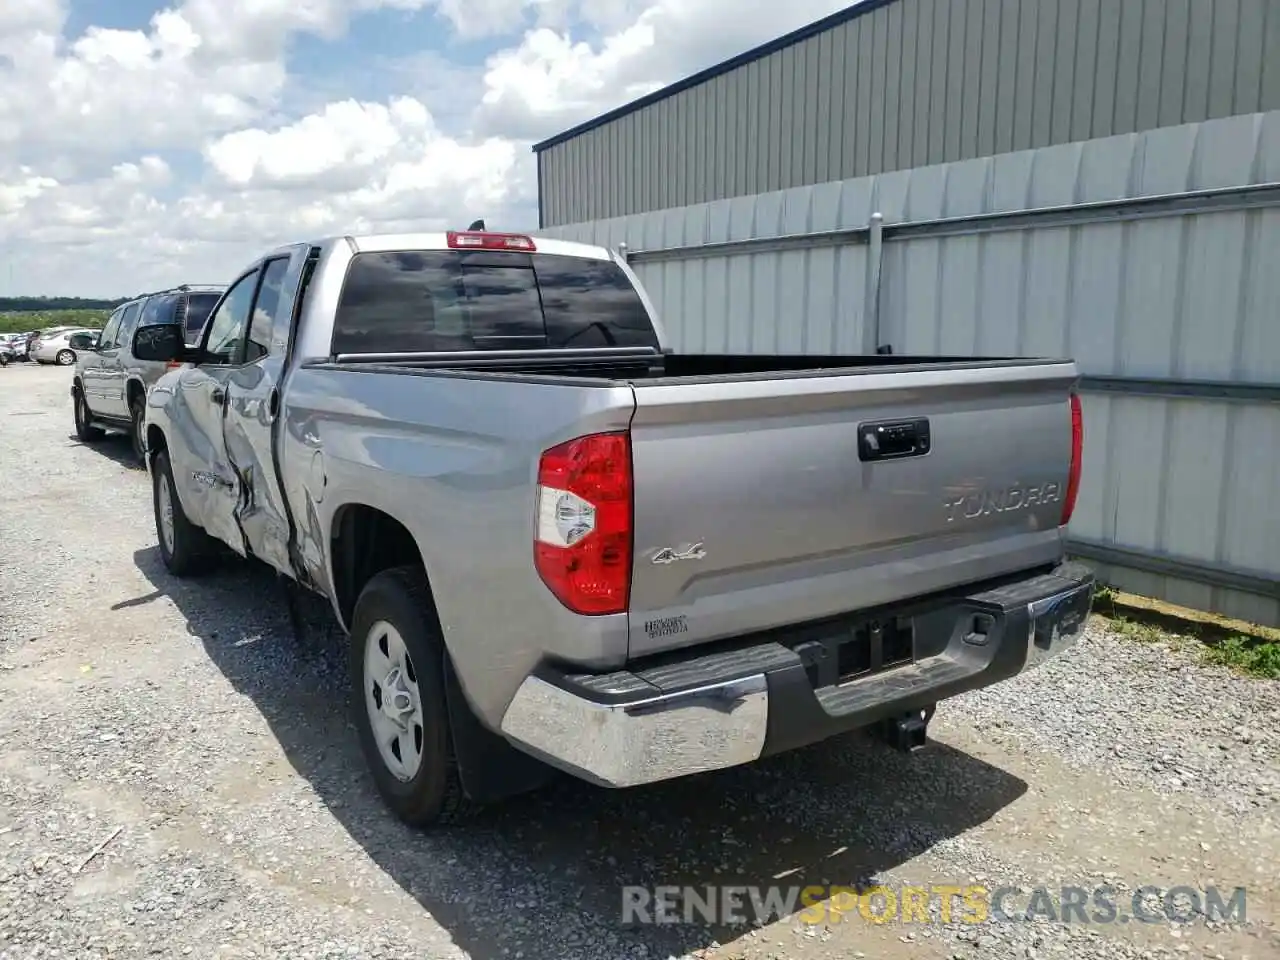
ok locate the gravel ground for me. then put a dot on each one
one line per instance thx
(178, 778)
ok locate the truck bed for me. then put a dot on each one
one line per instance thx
(757, 500)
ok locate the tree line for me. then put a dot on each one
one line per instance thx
(44, 304)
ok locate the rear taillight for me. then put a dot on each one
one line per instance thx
(472, 240)
(582, 538)
(1077, 451)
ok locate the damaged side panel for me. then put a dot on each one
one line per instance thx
(253, 407)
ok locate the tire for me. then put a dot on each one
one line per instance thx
(432, 792)
(86, 432)
(64, 358)
(185, 548)
(137, 413)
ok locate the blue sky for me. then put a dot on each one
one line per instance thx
(145, 144)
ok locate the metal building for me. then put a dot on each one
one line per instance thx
(1097, 179)
(892, 84)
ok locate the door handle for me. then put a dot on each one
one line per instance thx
(273, 405)
(893, 440)
(218, 396)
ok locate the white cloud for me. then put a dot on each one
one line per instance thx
(374, 164)
(552, 80)
(132, 159)
(24, 188)
(483, 18)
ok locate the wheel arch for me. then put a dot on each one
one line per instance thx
(132, 389)
(156, 441)
(363, 541)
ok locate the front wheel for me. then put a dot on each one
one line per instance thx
(184, 547)
(397, 671)
(86, 432)
(64, 358)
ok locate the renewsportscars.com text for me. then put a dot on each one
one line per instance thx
(734, 905)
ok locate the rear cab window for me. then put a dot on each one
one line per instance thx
(450, 300)
(159, 309)
(198, 307)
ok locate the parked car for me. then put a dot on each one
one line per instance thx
(20, 344)
(555, 544)
(54, 345)
(110, 383)
(13, 347)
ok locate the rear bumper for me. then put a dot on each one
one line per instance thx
(707, 709)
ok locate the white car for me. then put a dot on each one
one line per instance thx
(55, 346)
(13, 347)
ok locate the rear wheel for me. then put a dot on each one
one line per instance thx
(184, 547)
(397, 671)
(64, 358)
(85, 430)
(137, 411)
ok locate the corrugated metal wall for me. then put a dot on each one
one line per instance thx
(1179, 291)
(922, 82)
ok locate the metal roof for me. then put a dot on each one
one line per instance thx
(757, 53)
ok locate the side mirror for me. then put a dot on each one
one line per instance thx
(161, 342)
(82, 341)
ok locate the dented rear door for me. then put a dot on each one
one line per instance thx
(253, 405)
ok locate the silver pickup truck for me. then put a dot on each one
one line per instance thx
(557, 545)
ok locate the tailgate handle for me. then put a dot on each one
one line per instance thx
(893, 439)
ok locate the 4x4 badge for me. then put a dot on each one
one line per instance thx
(688, 551)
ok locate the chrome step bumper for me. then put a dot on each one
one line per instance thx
(642, 726)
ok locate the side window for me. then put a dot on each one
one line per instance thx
(108, 338)
(128, 323)
(258, 343)
(225, 333)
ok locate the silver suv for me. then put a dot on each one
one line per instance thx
(110, 385)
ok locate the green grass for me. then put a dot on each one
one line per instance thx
(23, 321)
(1140, 632)
(1248, 655)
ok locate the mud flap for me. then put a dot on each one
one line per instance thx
(490, 768)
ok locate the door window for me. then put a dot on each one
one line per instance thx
(270, 295)
(128, 323)
(108, 338)
(226, 329)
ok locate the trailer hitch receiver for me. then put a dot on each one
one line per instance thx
(908, 731)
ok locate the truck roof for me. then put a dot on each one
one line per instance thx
(383, 242)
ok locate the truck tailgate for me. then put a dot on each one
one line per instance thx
(763, 502)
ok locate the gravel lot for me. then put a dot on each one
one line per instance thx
(187, 732)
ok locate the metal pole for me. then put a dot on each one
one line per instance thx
(875, 249)
(622, 251)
